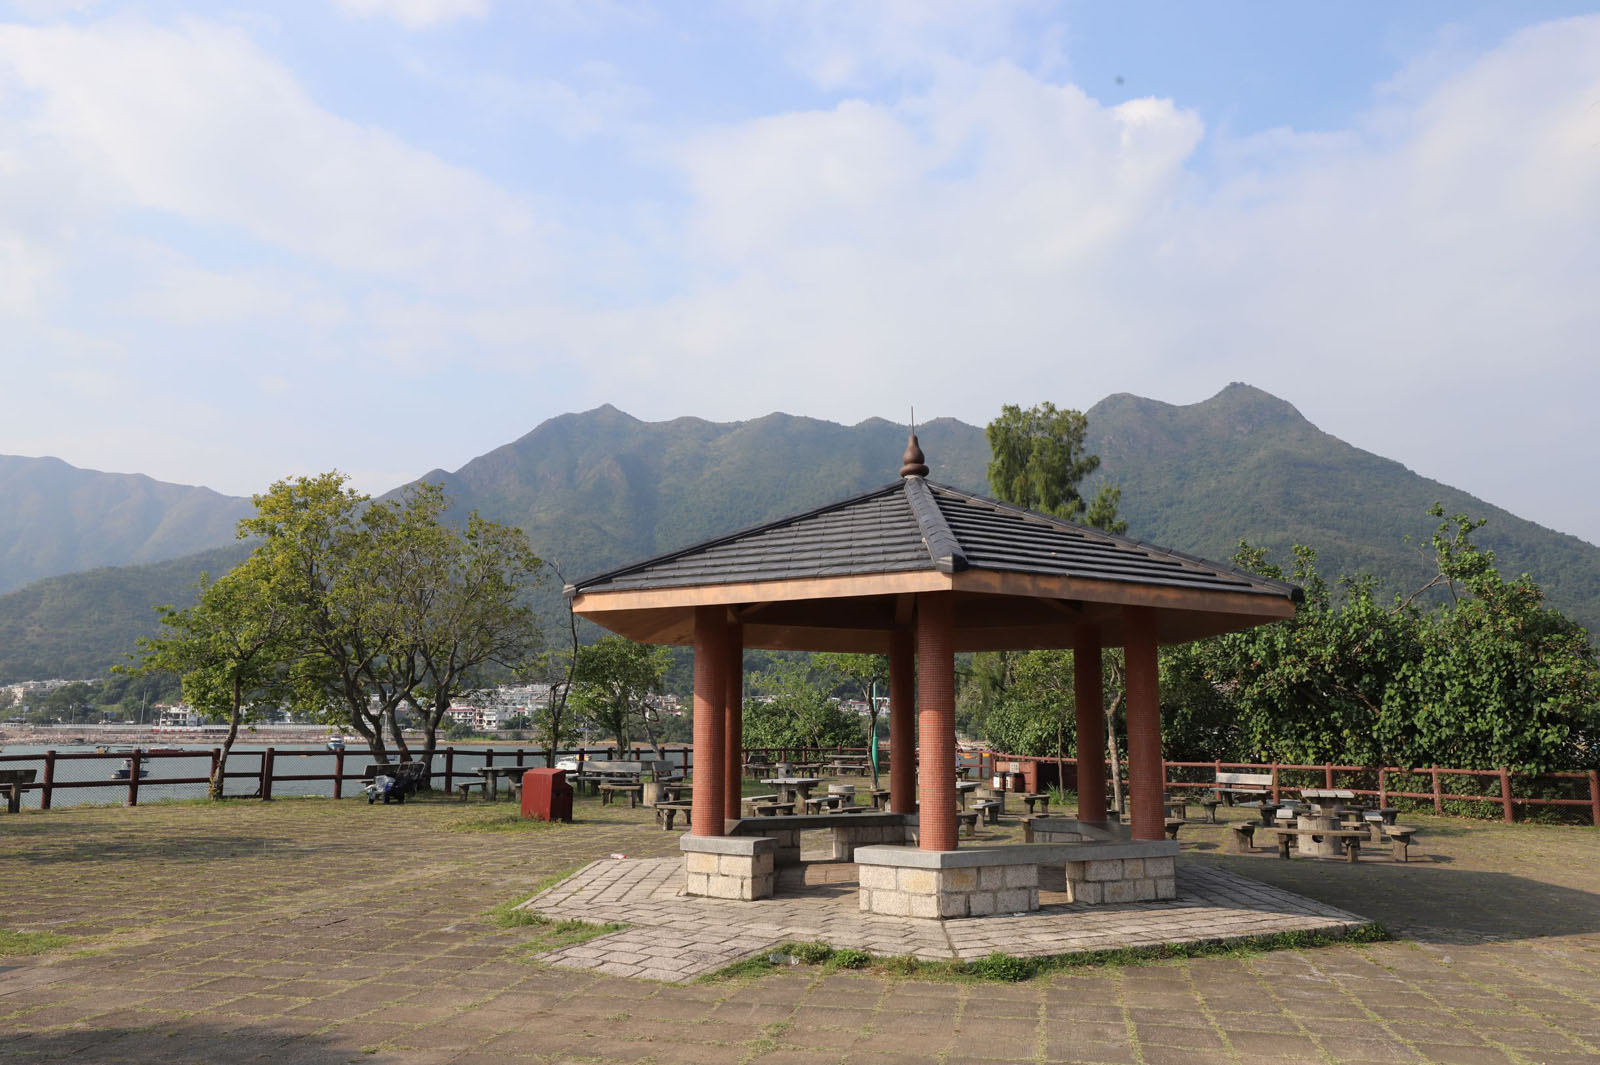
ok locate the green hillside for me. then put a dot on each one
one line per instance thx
(56, 518)
(81, 624)
(1245, 464)
(601, 488)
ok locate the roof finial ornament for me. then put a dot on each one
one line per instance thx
(913, 462)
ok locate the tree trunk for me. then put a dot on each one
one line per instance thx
(218, 779)
(1111, 749)
(391, 718)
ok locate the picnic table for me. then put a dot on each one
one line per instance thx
(11, 782)
(793, 789)
(965, 788)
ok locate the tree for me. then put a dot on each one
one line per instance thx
(1037, 461)
(230, 649)
(469, 610)
(859, 672)
(789, 710)
(612, 683)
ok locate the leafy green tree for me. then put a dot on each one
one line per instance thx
(71, 704)
(613, 681)
(230, 648)
(790, 710)
(469, 609)
(859, 673)
(1038, 461)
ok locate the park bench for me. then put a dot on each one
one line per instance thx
(750, 802)
(465, 786)
(609, 792)
(1211, 802)
(815, 803)
(666, 811)
(1230, 784)
(968, 819)
(1040, 799)
(773, 809)
(990, 809)
(1175, 807)
(11, 782)
(880, 797)
(1400, 836)
(1172, 825)
(1348, 838)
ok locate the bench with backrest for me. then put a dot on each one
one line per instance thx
(11, 782)
(1230, 784)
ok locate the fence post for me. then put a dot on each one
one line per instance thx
(1276, 794)
(268, 758)
(1438, 799)
(1505, 795)
(338, 774)
(50, 780)
(133, 778)
(1327, 776)
(449, 769)
(519, 757)
(1383, 791)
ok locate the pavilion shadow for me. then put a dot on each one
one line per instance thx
(1430, 901)
(186, 1040)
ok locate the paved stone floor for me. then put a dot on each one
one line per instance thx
(677, 937)
(318, 932)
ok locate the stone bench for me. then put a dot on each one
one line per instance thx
(862, 829)
(1172, 825)
(990, 809)
(1040, 799)
(977, 881)
(667, 811)
(609, 792)
(968, 820)
(1348, 838)
(1244, 837)
(1400, 837)
(465, 786)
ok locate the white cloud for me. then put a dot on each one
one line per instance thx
(197, 123)
(417, 14)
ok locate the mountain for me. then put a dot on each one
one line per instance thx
(1247, 465)
(56, 518)
(601, 488)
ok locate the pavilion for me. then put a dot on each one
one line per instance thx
(919, 571)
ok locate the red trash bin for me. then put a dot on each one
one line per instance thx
(546, 795)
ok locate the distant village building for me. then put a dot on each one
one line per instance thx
(179, 716)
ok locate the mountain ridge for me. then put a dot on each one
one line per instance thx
(600, 488)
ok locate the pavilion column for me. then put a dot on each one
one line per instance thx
(733, 730)
(936, 721)
(710, 693)
(902, 727)
(1146, 771)
(1089, 696)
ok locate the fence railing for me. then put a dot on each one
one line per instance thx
(127, 775)
(299, 771)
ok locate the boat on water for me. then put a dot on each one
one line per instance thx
(125, 771)
(336, 743)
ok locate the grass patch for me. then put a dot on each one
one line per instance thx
(510, 821)
(554, 935)
(1005, 968)
(15, 944)
(509, 914)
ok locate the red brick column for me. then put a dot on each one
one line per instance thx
(710, 692)
(1089, 696)
(733, 730)
(902, 722)
(1146, 772)
(936, 720)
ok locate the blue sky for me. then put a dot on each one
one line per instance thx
(240, 242)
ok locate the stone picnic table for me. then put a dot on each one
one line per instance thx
(794, 789)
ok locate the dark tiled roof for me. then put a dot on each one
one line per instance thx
(913, 525)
